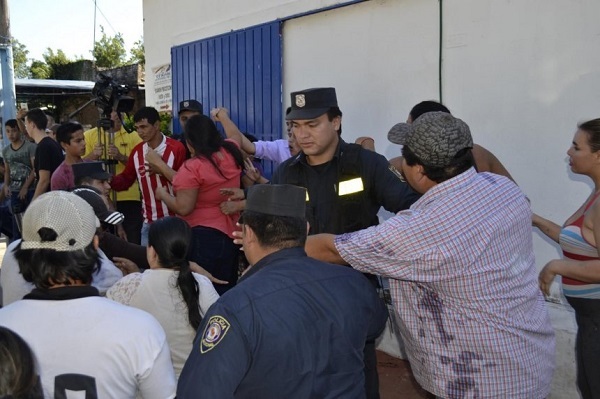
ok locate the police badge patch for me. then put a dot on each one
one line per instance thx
(300, 100)
(215, 331)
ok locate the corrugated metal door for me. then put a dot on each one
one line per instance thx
(240, 71)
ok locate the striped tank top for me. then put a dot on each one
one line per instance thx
(576, 247)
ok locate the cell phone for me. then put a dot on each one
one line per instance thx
(24, 106)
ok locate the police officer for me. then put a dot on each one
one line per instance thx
(293, 327)
(346, 184)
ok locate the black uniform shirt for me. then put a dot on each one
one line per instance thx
(381, 186)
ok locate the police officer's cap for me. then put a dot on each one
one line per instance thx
(277, 200)
(312, 103)
(190, 105)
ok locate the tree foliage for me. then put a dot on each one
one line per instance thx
(109, 51)
(40, 70)
(138, 54)
(55, 62)
(20, 52)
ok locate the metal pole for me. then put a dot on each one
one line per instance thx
(8, 100)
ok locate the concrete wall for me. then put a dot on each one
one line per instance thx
(522, 74)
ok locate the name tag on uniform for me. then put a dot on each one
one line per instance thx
(351, 186)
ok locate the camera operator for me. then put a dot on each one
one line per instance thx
(119, 148)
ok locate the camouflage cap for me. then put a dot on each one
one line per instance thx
(436, 137)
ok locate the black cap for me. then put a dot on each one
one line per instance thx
(277, 200)
(90, 169)
(312, 103)
(100, 209)
(190, 105)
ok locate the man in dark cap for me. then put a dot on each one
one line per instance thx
(462, 271)
(346, 184)
(187, 109)
(293, 327)
(92, 174)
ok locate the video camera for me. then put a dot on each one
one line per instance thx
(110, 95)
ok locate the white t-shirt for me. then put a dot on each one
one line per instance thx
(113, 349)
(156, 292)
(14, 287)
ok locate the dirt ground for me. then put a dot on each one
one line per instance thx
(396, 379)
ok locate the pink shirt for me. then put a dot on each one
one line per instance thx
(63, 177)
(199, 173)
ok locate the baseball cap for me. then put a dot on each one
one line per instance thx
(90, 169)
(190, 105)
(277, 200)
(436, 137)
(398, 132)
(100, 209)
(312, 103)
(69, 216)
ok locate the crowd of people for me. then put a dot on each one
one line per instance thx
(124, 275)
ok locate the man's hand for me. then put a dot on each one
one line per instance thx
(229, 207)
(233, 193)
(121, 232)
(22, 193)
(5, 191)
(114, 152)
(21, 113)
(196, 268)
(546, 276)
(97, 151)
(125, 265)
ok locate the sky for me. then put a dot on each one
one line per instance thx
(68, 25)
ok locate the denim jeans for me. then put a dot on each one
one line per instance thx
(17, 208)
(215, 252)
(144, 234)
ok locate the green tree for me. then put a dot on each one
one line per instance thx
(40, 70)
(56, 62)
(20, 59)
(109, 51)
(138, 54)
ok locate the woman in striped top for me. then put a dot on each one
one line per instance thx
(579, 238)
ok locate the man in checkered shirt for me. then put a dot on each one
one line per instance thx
(461, 268)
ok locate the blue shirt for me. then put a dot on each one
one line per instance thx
(293, 327)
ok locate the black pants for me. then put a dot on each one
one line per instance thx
(133, 219)
(371, 375)
(587, 346)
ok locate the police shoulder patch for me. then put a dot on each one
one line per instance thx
(214, 332)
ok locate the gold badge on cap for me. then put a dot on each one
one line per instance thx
(300, 100)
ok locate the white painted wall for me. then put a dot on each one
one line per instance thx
(522, 74)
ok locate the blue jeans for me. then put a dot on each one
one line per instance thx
(144, 234)
(17, 208)
(215, 252)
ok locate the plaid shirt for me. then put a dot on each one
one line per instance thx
(463, 280)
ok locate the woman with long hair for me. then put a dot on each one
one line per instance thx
(169, 290)
(216, 163)
(579, 239)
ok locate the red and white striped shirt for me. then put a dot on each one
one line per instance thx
(173, 153)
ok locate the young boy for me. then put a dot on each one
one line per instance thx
(19, 173)
(70, 137)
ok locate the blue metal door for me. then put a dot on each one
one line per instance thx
(241, 71)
